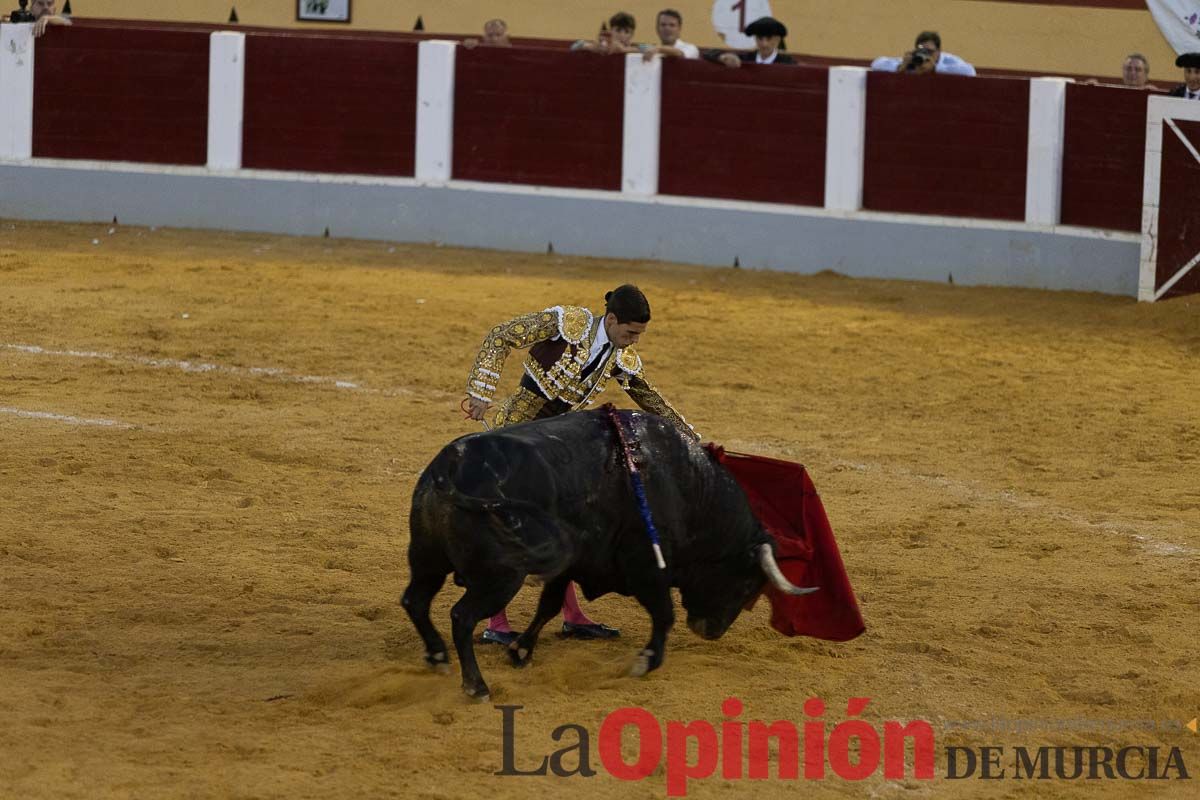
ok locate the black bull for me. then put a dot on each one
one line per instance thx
(553, 499)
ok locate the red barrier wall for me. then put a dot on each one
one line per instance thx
(342, 102)
(540, 117)
(756, 133)
(1104, 157)
(941, 144)
(317, 105)
(121, 95)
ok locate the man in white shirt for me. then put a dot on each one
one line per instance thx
(668, 25)
(926, 57)
(1135, 71)
(1191, 77)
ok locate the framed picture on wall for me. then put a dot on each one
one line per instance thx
(323, 10)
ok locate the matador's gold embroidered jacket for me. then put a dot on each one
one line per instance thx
(560, 339)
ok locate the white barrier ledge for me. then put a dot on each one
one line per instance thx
(642, 124)
(577, 222)
(435, 111)
(1043, 173)
(226, 99)
(845, 138)
(16, 91)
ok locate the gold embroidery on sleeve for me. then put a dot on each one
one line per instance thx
(648, 399)
(519, 332)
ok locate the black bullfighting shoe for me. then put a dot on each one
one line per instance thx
(506, 638)
(594, 631)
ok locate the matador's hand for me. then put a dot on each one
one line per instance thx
(476, 408)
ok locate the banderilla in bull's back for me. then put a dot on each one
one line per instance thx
(553, 498)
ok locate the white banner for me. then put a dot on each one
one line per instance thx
(1179, 21)
(730, 18)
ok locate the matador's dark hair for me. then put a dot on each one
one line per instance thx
(628, 303)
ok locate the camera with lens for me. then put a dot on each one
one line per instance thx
(21, 15)
(919, 57)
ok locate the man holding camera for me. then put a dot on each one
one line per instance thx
(42, 15)
(926, 57)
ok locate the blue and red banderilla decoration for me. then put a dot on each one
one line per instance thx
(639, 489)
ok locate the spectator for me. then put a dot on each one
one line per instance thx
(1190, 89)
(1135, 74)
(617, 39)
(668, 25)
(927, 56)
(495, 34)
(43, 13)
(1135, 71)
(768, 34)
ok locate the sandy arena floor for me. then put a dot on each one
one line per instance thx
(208, 444)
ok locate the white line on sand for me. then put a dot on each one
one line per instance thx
(200, 367)
(67, 418)
(194, 366)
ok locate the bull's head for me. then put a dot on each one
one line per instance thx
(718, 592)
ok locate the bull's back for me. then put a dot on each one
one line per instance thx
(557, 465)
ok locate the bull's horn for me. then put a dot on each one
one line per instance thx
(766, 557)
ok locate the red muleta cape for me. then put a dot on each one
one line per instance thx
(785, 501)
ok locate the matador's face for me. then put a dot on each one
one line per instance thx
(623, 334)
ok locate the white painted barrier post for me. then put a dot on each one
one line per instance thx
(845, 138)
(435, 111)
(1151, 194)
(643, 121)
(1044, 161)
(16, 91)
(226, 99)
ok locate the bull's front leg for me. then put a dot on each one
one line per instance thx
(655, 597)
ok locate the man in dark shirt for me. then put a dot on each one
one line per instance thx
(768, 34)
(1190, 88)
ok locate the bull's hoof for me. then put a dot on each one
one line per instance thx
(519, 655)
(438, 662)
(642, 664)
(480, 694)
